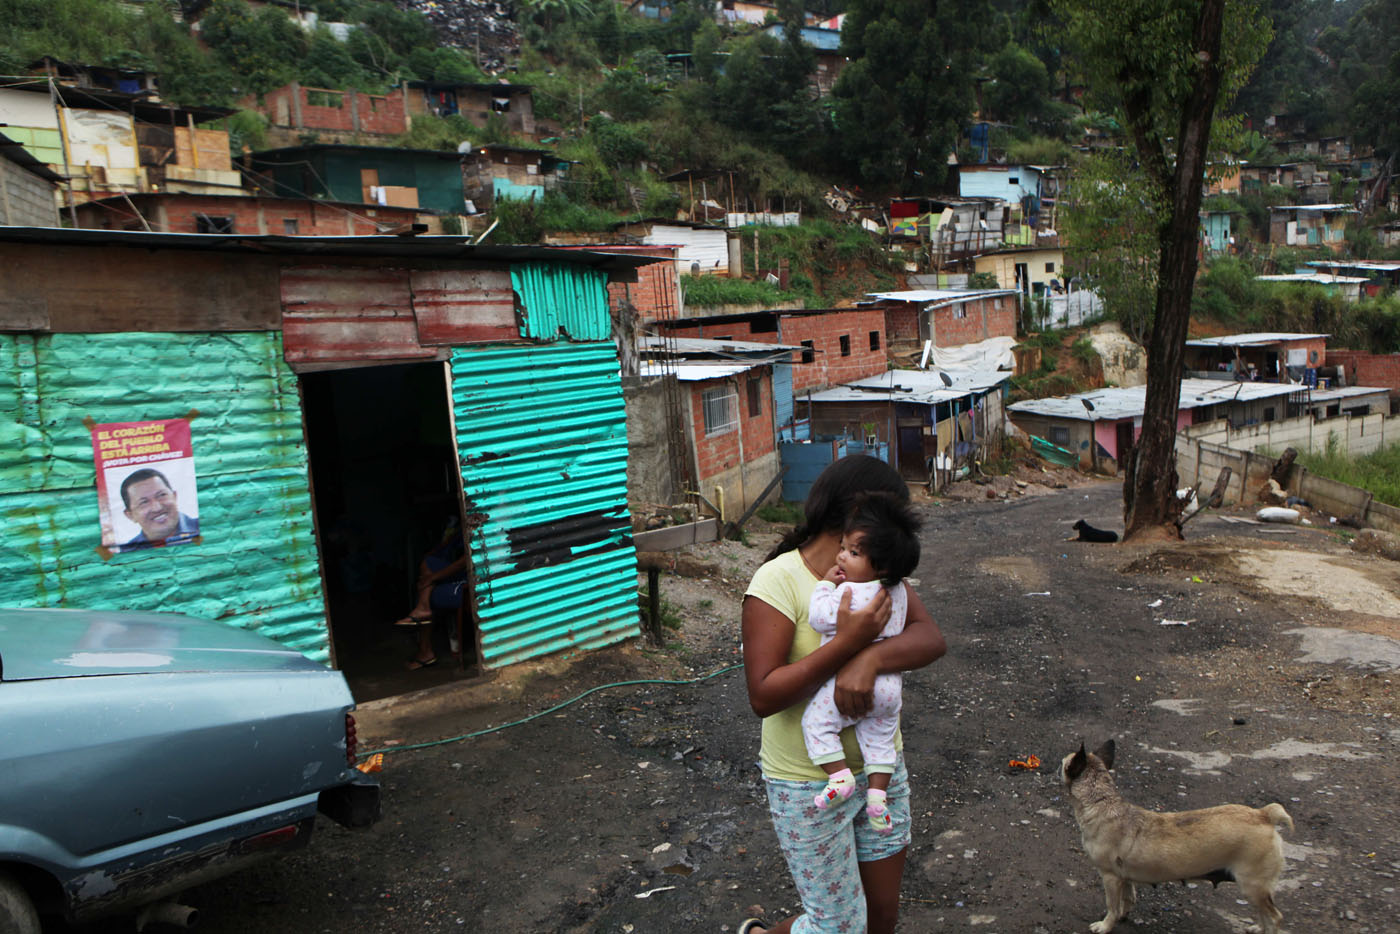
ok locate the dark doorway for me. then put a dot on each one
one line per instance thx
(1124, 444)
(385, 486)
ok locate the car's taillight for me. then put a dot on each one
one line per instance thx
(352, 741)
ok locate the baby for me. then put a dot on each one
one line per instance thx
(879, 548)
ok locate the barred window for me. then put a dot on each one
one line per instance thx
(721, 410)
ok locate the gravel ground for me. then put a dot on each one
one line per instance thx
(1224, 672)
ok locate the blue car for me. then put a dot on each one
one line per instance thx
(141, 754)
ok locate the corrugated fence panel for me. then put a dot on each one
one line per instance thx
(255, 566)
(543, 438)
(561, 297)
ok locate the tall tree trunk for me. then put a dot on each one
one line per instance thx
(1149, 490)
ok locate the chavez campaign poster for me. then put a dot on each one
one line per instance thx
(145, 483)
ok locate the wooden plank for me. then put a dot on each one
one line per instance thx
(677, 536)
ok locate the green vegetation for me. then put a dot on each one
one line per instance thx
(1228, 292)
(780, 512)
(1378, 472)
(712, 291)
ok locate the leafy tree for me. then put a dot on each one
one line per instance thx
(262, 48)
(1164, 65)
(902, 102)
(1019, 91)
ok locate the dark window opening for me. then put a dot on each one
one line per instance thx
(1059, 436)
(1269, 414)
(289, 226)
(1049, 267)
(809, 352)
(206, 224)
(755, 387)
(874, 340)
(845, 345)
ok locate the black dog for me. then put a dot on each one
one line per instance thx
(1087, 533)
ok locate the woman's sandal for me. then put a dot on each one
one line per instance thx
(752, 926)
(418, 664)
(411, 620)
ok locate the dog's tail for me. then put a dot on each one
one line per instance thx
(1278, 816)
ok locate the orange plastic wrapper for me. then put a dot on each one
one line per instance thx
(1030, 762)
(375, 763)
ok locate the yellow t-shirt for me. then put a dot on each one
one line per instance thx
(786, 584)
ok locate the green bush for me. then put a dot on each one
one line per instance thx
(710, 291)
(1378, 472)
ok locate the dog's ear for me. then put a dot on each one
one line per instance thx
(1105, 752)
(1075, 766)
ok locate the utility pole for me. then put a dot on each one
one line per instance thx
(63, 146)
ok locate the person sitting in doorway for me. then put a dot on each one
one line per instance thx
(442, 578)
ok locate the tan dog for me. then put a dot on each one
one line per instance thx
(1129, 845)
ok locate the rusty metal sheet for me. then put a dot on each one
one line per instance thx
(339, 314)
(464, 306)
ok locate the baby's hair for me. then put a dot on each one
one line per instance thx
(891, 535)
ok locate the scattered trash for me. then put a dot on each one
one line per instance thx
(1155, 603)
(374, 763)
(1239, 721)
(1039, 593)
(650, 892)
(1278, 514)
(1297, 501)
(1196, 580)
(1177, 622)
(1030, 762)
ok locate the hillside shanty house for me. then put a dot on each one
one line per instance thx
(108, 142)
(728, 405)
(702, 249)
(418, 380)
(1281, 357)
(1347, 288)
(26, 188)
(944, 317)
(825, 43)
(295, 112)
(925, 422)
(1101, 426)
(511, 104)
(428, 179)
(834, 345)
(1217, 231)
(1014, 184)
(177, 212)
(496, 171)
(1029, 270)
(1310, 225)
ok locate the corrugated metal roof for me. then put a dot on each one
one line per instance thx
(689, 371)
(1253, 339)
(939, 296)
(1375, 265)
(705, 345)
(1335, 393)
(1121, 402)
(542, 434)
(425, 247)
(255, 565)
(924, 387)
(1320, 278)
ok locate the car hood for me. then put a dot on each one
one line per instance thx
(77, 643)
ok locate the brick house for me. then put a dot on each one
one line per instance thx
(947, 317)
(334, 116)
(729, 407)
(176, 212)
(512, 103)
(1367, 369)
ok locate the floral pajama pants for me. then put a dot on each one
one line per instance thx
(824, 847)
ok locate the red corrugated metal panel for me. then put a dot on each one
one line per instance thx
(339, 314)
(461, 306)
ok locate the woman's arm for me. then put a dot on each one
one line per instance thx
(774, 684)
(921, 643)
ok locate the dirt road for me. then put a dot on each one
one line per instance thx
(1218, 665)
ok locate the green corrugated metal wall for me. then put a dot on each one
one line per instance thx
(561, 296)
(256, 566)
(542, 435)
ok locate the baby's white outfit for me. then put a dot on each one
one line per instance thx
(822, 722)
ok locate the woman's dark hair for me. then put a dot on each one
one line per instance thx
(834, 494)
(891, 535)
